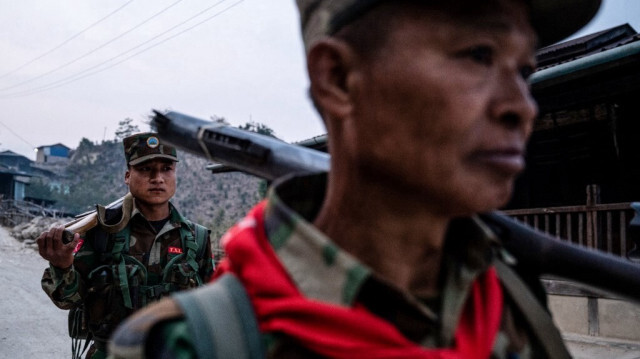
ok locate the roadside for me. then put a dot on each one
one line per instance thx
(588, 347)
(30, 325)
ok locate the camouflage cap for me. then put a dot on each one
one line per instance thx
(146, 146)
(553, 20)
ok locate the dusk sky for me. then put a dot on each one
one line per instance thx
(75, 68)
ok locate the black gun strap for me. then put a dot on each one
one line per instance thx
(538, 318)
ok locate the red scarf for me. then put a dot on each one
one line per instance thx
(335, 331)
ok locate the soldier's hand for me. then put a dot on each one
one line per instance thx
(52, 249)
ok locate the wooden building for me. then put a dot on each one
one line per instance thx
(583, 166)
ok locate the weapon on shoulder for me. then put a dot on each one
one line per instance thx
(259, 155)
(269, 158)
(112, 218)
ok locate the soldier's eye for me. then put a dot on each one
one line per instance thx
(482, 54)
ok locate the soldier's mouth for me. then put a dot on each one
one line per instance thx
(509, 161)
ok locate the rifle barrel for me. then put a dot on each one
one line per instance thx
(549, 255)
(257, 154)
(270, 158)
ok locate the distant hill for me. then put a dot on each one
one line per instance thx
(95, 175)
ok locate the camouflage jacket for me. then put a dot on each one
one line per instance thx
(93, 279)
(431, 322)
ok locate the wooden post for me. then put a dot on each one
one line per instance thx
(593, 198)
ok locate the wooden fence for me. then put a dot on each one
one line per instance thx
(13, 212)
(598, 226)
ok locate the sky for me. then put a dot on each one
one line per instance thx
(74, 69)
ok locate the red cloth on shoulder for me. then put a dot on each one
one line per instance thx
(335, 331)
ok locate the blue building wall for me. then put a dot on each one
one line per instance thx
(59, 151)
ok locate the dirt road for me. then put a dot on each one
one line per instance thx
(31, 327)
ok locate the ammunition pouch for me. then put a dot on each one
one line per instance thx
(181, 276)
(114, 293)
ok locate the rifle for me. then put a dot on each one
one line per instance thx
(118, 210)
(270, 158)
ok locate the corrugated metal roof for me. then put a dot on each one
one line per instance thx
(607, 56)
(584, 46)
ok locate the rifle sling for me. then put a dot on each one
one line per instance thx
(538, 318)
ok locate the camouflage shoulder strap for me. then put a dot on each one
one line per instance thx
(201, 234)
(120, 256)
(221, 319)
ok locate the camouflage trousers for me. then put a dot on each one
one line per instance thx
(96, 353)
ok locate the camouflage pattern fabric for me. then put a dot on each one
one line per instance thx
(146, 146)
(90, 279)
(323, 271)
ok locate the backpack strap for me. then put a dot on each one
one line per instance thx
(193, 239)
(221, 319)
(202, 233)
(120, 245)
(537, 317)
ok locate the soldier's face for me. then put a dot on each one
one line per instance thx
(444, 110)
(152, 182)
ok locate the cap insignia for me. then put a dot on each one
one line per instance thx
(152, 142)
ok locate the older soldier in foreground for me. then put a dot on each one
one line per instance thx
(110, 275)
(428, 112)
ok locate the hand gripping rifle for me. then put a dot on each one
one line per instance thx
(112, 218)
(270, 158)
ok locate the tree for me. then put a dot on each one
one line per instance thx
(85, 145)
(219, 120)
(260, 128)
(126, 129)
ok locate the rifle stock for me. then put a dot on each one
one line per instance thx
(268, 158)
(100, 216)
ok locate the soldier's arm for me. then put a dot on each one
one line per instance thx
(63, 286)
(62, 281)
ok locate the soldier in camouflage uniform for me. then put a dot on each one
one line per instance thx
(428, 110)
(104, 277)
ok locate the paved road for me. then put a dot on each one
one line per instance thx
(30, 325)
(585, 347)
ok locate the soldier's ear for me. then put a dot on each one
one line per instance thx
(330, 64)
(127, 175)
